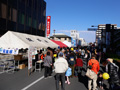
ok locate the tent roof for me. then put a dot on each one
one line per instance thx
(59, 43)
(20, 40)
(67, 43)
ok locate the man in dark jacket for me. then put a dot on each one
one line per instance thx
(72, 62)
(112, 71)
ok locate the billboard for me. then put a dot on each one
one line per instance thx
(73, 42)
(48, 25)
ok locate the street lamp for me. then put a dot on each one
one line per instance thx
(54, 33)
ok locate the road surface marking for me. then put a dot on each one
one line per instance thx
(33, 83)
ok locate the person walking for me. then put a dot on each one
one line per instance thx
(47, 65)
(78, 66)
(112, 70)
(72, 62)
(61, 67)
(88, 57)
(95, 67)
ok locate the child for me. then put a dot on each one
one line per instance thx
(100, 81)
(67, 74)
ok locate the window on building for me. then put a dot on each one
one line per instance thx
(14, 15)
(39, 26)
(9, 13)
(3, 10)
(44, 13)
(26, 20)
(35, 4)
(30, 3)
(23, 18)
(34, 23)
(19, 16)
(27, 2)
(0, 10)
(29, 21)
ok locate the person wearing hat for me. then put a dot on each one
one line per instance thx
(112, 70)
(61, 67)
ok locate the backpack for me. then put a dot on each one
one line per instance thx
(72, 60)
(91, 66)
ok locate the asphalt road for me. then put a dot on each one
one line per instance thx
(21, 81)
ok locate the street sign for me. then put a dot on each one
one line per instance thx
(92, 29)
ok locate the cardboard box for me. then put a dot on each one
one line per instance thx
(21, 66)
(17, 57)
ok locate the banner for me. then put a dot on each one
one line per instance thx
(9, 51)
(73, 42)
(48, 25)
(30, 50)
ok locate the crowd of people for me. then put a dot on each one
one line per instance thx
(68, 63)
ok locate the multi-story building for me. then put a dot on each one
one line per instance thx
(82, 42)
(74, 38)
(107, 37)
(61, 37)
(116, 42)
(26, 16)
(102, 29)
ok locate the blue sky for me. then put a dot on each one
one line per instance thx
(79, 15)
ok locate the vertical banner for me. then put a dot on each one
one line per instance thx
(48, 25)
(30, 50)
(73, 42)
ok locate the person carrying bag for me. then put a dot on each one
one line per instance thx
(92, 71)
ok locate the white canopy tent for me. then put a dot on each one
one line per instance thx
(20, 40)
(67, 43)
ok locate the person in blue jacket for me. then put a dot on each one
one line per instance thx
(67, 74)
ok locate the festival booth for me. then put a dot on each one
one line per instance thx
(59, 43)
(11, 42)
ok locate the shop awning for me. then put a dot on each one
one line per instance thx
(59, 43)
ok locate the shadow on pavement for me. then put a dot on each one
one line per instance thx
(83, 79)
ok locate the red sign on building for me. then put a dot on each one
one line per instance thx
(48, 25)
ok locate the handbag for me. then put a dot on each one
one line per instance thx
(91, 74)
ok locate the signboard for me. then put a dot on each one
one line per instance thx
(48, 25)
(92, 29)
(73, 42)
(9, 51)
(30, 50)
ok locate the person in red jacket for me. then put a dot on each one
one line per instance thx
(95, 67)
(78, 66)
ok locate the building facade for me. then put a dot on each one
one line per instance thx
(102, 29)
(60, 37)
(75, 38)
(116, 42)
(82, 42)
(107, 37)
(25, 16)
